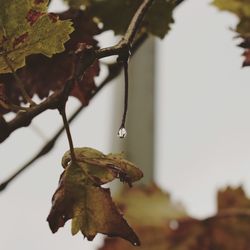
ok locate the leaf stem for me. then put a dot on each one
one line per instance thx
(126, 87)
(66, 126)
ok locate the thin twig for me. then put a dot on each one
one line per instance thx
(126, 86)
(127, 40)
(66, 126)
(136, 22)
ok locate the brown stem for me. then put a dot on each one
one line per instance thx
(122, 130)
(136, 21)
(66, 126)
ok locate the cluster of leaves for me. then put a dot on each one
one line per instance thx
(42, 74)
(241, 8)
(81, 198)
(32, 41)
(173, 229)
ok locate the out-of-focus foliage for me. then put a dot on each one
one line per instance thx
(116, 15)
(168, 227)
(241, 8)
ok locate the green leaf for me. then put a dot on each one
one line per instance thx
(116, 15)
(26, 28)
(104, 168)
(89, 206)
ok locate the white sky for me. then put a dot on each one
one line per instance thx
(203, 137)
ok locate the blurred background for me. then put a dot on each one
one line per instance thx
(188, 128)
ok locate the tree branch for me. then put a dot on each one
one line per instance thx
(55, 100)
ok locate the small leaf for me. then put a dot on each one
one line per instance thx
(89, 206)
(104, 168)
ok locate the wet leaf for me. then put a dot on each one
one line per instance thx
(79, 197)
(104, 168)
(26, 28)
(156, 22)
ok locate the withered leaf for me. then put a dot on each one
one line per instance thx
(81, 198)
(104, 168)
(151, 212)
(226, 230)
(232, 198)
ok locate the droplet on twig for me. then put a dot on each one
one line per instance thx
(122, 133)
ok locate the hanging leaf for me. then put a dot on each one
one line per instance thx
(81, 198)
(26, 28)
(156, 21)
(104, 168)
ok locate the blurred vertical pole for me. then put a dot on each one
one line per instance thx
(139, 144)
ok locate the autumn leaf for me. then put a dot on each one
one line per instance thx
(156, 21)
(232, 198)
(152, 213)
(81, 198)
(26, 28)
(41, 74)
(226, 230)
(104, 168)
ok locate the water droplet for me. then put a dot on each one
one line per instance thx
(174, 224)
(135, 243)
(122, 133)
